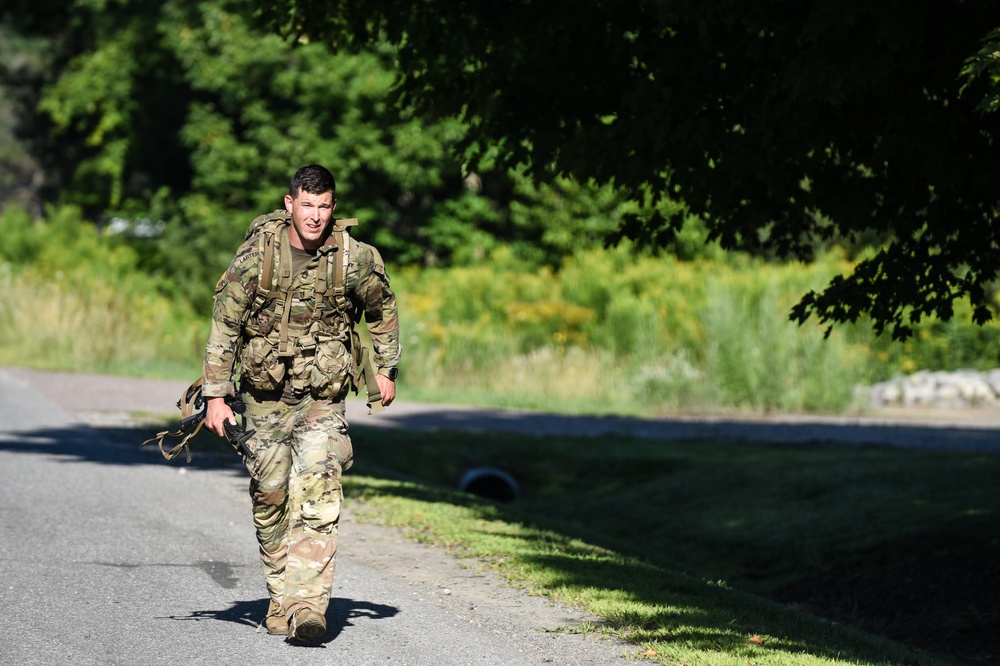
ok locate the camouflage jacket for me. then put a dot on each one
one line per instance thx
(322, 358)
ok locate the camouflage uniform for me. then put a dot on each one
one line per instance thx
(296, 404)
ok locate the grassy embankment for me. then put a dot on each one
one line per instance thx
(71, 299)
(717, 552)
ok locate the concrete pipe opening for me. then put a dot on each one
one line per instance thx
(490, 483)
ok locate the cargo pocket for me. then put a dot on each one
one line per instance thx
(330, 370)
(342, 448)
(261, 367)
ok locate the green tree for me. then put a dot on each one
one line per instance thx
(185, 112)
(782, 125)
(257, 99)
(24, 61)
(982, 69)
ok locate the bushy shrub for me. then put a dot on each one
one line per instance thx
(612, 330)
(639, 333)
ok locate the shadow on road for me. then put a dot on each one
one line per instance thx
(117, 446)
(968, 430)
(339, 614)
(120, 445)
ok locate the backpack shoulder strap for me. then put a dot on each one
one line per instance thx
(330, 287)
(330, 283)
(340, 264)
(266, 228)
(336, 290)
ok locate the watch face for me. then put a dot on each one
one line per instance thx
(392, 373)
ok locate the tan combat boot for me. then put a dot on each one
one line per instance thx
(306, 626)
(276, 622)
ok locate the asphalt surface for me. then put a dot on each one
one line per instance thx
(109, 555)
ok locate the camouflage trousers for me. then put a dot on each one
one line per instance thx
(301, 451)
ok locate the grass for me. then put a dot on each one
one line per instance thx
(96, 325)
(610, 331)
(618, 332)
(607, 331)
(717, 552)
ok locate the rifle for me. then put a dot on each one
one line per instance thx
(194, 409)
(235, 434)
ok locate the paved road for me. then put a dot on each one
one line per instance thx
(110, 556)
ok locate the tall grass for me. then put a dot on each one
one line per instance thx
(612, 331)
(70, 299)
(761, 361)
(617, 331)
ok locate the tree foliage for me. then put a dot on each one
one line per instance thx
(186, 112)
(23, 59)
(784, 124)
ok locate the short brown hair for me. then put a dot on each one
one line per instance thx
(313, 179)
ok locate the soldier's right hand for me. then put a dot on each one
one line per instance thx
(217, 412)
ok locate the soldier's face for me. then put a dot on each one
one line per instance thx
(310, 215)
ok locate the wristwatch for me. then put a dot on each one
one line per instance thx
(391, 373)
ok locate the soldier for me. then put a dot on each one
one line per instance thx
(298, 357)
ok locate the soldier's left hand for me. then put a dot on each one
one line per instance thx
(388, 389)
